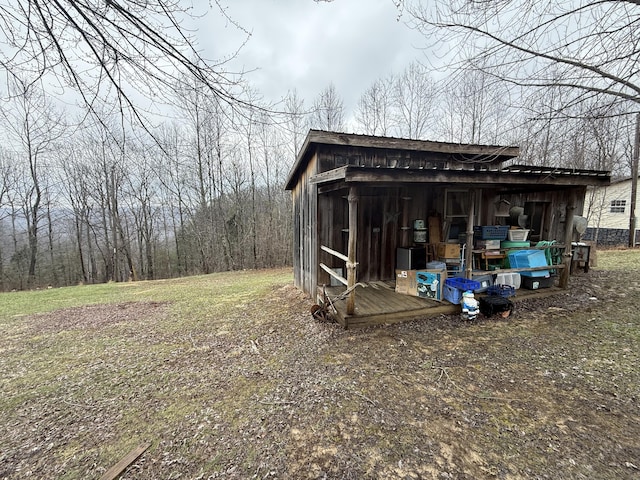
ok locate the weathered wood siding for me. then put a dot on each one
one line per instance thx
(553, 203)
(336, 157)
(305, 211)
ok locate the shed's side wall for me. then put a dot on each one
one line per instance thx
(305, 214)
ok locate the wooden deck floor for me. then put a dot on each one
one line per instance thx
(378, 303)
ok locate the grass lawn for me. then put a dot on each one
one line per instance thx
(228, 376)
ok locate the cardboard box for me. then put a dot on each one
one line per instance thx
(406, 282)
(448, 250)
(429, 283)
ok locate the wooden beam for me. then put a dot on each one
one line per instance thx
(634, 184)
(127, 460)
(328, 176)
(340, 278)
(468, 251)
(527, 269)
(568, 238)
(405, 228)
(335, 253)
(351, 252)
(482, 178)
(368, 141)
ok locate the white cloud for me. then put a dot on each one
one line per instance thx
(306, 45)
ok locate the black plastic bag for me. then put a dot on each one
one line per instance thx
(495, 305)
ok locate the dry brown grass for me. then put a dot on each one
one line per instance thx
(229, 377)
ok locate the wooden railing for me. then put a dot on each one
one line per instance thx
(350, 258)
(330, 271)
(349, 282)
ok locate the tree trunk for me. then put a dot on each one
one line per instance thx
(634, 184)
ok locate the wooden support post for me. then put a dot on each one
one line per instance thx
(351, 252)
(405, 240)
(468, 252)
(568, 238)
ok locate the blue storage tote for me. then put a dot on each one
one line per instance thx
(491, 232)
(454, 287)
(529, 259)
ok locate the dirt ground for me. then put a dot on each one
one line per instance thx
(552, 392)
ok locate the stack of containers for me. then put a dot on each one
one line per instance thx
(488, 238)
(517, 239)
(419, 231)
(512, 279)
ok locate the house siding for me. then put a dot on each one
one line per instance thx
(606, 227)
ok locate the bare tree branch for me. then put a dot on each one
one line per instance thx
(104, 49)
(585, 46)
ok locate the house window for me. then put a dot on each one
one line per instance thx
(617, 206)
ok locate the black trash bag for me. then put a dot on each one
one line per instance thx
(495, 305)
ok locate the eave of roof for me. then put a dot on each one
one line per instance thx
(616, 180)
(318, 137)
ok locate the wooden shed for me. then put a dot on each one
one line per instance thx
(357, 199)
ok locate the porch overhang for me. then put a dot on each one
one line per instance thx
(510, 176)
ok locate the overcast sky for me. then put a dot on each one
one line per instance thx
(305, 45)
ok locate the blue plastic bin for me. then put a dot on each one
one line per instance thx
(491, 232)
(529, 259)
(454, 287)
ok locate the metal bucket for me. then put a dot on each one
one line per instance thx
(420, 235)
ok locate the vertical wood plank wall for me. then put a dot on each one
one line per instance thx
(305, 207)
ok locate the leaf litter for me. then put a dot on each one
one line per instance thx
(268, 392)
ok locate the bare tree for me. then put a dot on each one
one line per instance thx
(295, 123)
(588, 47)
(414, 95)
(142, 202)
(374, 112)
(34, 125)
(74, 177)
(328, 110)
(7, 180)
(473, 107)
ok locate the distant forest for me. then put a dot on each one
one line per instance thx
(202, 189)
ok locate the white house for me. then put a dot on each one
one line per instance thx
(607, 209)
